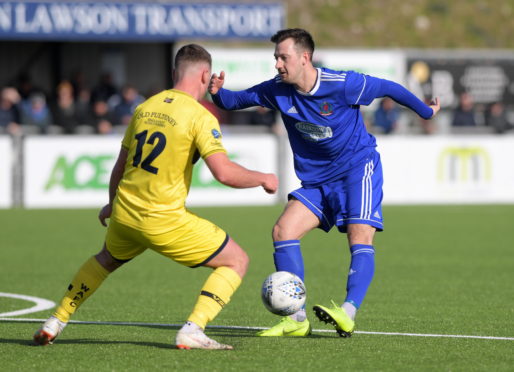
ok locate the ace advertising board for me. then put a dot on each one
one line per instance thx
(70, 172)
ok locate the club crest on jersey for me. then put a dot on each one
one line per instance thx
(326, 108)
(312, 132)
(215, 133)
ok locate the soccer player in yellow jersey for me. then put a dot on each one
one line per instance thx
(147, 192)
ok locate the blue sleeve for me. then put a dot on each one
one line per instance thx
(405, 98)
(363, 89)
(254, 96)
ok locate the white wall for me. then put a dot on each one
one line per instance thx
(6, 159)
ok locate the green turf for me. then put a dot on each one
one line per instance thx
(440, 270)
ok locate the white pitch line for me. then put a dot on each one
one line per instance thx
(40, 304)
(29, 320)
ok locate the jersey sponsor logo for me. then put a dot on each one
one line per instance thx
(168, 100)
(151, 117)
(215, 133)
(326, 108)
(313, 132)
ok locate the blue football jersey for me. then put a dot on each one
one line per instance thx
(326, 130)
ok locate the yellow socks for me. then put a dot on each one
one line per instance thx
(216, 293)
(89, 277)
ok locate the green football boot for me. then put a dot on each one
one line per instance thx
(287, 327)
(336, 316)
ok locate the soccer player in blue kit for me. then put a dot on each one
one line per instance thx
(335, 159)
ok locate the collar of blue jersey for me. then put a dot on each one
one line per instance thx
(315, 87)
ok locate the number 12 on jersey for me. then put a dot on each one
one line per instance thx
(159, 146)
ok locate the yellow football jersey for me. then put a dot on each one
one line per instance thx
(166, 136)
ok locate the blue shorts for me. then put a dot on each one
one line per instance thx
(354, 199)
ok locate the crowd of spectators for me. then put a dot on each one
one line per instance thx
(73, 108)
(466, 117)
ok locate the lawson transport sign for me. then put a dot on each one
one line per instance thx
(127, 21)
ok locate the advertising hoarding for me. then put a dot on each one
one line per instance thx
(71, 172)
(137, 21)
(447, 170)
(440, 169)
(6, 159)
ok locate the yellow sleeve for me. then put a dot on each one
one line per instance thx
(129, 132)
(208, 136)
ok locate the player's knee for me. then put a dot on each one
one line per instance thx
(107, 261)
(241, 262)
(360, 234)
(281, 232)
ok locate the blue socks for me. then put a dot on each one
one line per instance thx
(288, 257)
(362, 268)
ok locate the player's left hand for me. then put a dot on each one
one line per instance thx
(435, 105)
(270, 184)
(105, 213)
(216, 83)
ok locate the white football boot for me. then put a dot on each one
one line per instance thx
(49, 331)
(198, 340)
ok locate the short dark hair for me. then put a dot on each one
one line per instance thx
(192, 53)
(301, 38)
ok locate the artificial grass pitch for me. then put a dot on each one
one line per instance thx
(439, 270)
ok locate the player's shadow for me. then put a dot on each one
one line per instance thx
(211, 331)
(85, 341)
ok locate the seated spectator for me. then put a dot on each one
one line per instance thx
(64, 109)
(125, 104)
(83, 107)
(386, 116)
(497, 118)
(9, 113)
(464, 114)
(102, 118)
(104, 90)
(37, 113)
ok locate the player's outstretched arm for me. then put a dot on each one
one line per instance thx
(404, 97)
(116, 174)
(234, 175)
(216, 83)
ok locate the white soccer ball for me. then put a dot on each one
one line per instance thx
(283, 293)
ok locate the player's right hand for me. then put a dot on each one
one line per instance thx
(105, 213)
(270, 183)
(216, 82)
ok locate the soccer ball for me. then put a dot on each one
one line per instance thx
(283, 293)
